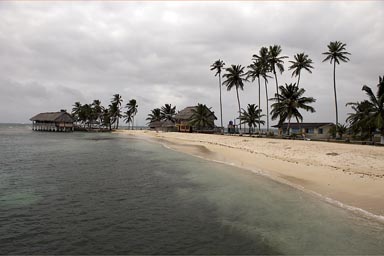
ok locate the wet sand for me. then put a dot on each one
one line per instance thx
(350, 174)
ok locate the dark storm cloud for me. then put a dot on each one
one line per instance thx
(53, 54)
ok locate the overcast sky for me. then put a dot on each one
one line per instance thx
(53, 54)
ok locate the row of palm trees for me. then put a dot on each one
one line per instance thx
(88, 115)
(268, 61)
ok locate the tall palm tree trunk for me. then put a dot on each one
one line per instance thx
(258, 79)
(334, 88)
(300, 126)
(266, 95)
(277, 85)
(382, 138)
(289, 125)
(221, 105)
(238, 102)
(298, 80)
(133, 122)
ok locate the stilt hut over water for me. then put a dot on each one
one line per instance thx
(53, 121)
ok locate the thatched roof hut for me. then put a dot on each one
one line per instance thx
(184, 117)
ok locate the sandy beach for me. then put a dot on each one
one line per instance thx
(350, 174)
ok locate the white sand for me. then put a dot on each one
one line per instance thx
(351, 174)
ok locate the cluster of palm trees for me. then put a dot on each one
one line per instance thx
(89, 115)
(165, 113)
(289, 98)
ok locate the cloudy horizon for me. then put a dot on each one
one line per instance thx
(53, 54)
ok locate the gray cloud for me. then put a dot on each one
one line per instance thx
(55, 53)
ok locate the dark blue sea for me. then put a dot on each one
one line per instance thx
(101, 193)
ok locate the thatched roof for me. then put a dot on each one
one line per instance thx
(61, 116)
(158, 124)
(302, 125)
(168, 123)
(155, 124)
(186, 114)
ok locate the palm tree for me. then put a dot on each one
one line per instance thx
(376, 115)
(302, 61)
(251, 116)
(154, 116)
(132, 109)
(76, 111)
(341, 129)
(115, 106)
(289, 101)
(128, 118)
(202, 117)
(97, 110)
(168, 112)
(263, 59)
(276, 62)
(85, 114)
(106, 118)
(234, 77)
(218, 65)
(255, 71)
(336, 53)
(359, 121)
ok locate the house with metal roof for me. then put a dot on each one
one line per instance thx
(53, 121)
(309, 130)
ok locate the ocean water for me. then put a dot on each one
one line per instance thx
(89, 193)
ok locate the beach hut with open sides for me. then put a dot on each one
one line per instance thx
(53, 121)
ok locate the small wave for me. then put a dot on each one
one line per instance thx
(334, 202)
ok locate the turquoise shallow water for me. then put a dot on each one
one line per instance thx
(83, 193)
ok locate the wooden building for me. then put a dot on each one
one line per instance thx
(53, 121)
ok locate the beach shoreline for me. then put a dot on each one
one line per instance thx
(351, 175)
